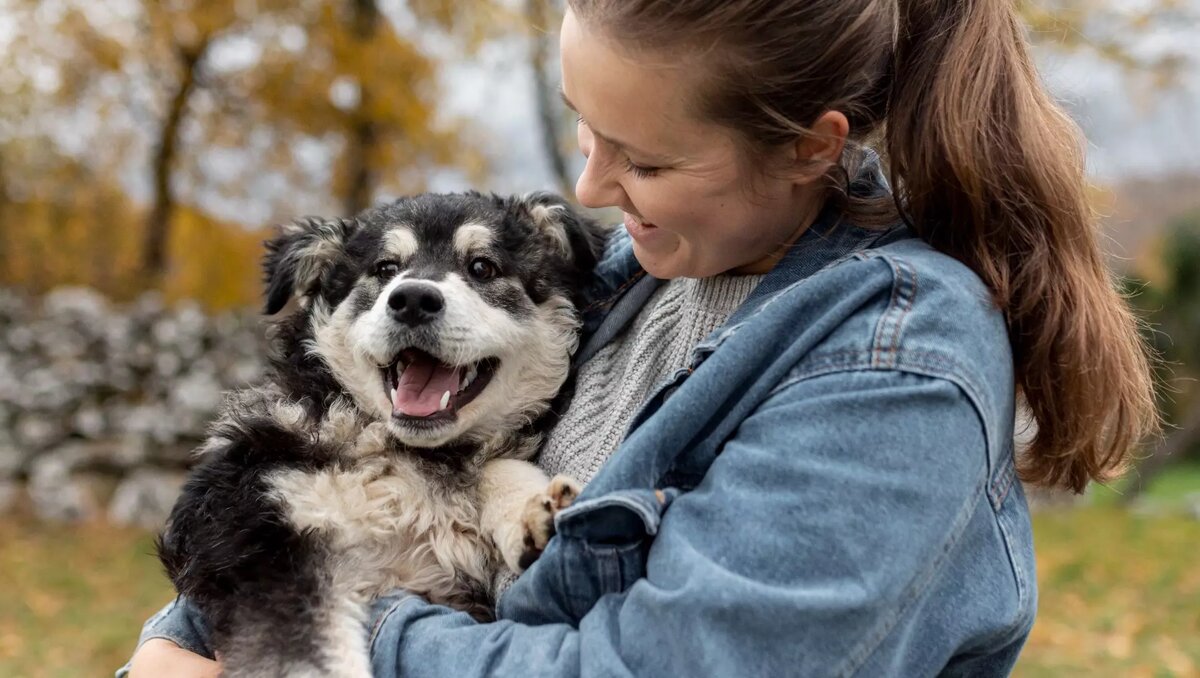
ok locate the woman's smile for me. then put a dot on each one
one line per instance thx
(642, 232)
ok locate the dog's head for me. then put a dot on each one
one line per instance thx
(452, 317)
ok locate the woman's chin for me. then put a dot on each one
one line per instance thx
(667, 263)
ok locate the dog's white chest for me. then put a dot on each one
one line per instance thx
(386, 525)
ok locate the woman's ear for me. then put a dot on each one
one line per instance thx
(821, 149)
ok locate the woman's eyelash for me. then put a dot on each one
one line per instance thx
(639, 171)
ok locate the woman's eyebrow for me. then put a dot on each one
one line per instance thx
(611, 141)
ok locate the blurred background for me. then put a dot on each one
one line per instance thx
(147, 145)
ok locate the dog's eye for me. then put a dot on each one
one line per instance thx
(385, 270)
(482, 269)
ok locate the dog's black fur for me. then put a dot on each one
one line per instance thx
(262, 583)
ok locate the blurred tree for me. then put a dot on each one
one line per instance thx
(1170, 300)
(259, 80)
(1108, 28)
(543, 19)
(369, 90)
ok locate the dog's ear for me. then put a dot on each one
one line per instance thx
(579, 239)
(299, 255)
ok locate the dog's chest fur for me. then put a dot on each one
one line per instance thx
(387, 520)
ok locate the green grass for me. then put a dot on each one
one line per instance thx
(1120, 595)
(1170, 489)
(73, 598)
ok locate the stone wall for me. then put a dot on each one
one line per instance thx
(102, 404)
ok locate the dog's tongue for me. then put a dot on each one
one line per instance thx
(424, 381)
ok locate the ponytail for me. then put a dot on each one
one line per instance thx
(991, 172)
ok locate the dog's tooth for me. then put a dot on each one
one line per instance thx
(445, 399)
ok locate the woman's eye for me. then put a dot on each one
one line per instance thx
(385, 270)
(639, 171)
(482, 269)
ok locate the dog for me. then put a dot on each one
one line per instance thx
(387, 449)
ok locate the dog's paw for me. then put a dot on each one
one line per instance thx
(538, 517)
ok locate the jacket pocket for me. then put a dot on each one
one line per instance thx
(605, 541)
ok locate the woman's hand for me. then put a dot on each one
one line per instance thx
(160, 657)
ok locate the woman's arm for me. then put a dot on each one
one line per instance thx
(808, 549)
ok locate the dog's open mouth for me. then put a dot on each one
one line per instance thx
(423, 387)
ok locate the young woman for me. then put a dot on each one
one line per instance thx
(795, 408)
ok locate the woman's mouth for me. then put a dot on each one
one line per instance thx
(637, 228)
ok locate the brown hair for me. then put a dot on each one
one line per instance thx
(986, 168)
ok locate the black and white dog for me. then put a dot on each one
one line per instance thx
(387, 449)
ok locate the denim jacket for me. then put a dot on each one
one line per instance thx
(827, 489)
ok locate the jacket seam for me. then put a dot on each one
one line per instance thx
(919, 583)
(904, 294)
(1013, 560)
(927, 364)
(609, 300)
(936, 365)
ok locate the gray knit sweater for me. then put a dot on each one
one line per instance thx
(612, 386)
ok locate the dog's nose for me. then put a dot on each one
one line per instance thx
(416, 304)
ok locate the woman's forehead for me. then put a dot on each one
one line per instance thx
(626, 98)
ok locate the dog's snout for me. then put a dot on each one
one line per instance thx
(416, 303)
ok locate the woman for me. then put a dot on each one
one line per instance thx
(805, 410)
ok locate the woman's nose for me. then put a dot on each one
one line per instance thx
(596, 186)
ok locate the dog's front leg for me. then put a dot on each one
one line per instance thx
(518, 507)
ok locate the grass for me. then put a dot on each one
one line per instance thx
(73, 597)
(1179, 484)
(1120, 594)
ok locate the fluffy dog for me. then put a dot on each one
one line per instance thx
(387, 448)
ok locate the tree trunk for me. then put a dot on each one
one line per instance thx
(1171, 449)
(362, 133)
(158, 222)
(545, 95)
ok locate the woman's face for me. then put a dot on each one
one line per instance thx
(691, 205)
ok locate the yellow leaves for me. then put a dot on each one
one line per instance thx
(95, 239)
(214, 263)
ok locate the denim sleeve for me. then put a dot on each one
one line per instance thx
(807, 549)
(179, 622)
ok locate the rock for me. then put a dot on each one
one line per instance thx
(56, 493)
(12, 457)
(38, 430)
(145, 498)
(93, 392)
